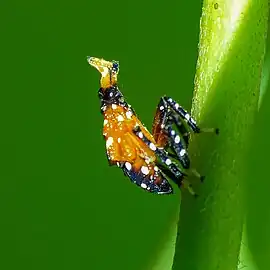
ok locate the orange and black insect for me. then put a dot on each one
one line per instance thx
(147, 159)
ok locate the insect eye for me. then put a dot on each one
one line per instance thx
(115, 66)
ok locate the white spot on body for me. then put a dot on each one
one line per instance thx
(109, 142)
(156, 169)
(176, 106)
(177, 139)
(119, 140)
(144, 170)
(120, 118)
(168, 161)
(111, 94)
(170, 100)
(129, 114)
(140, 134)
(152, 147)
(128, 166)
(173, 132)
(105, 122)
(182, 152)
(143, 185)
(114, 106)
(187, 116)
(161, 108)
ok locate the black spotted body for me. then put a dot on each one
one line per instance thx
(124, 148)
(143, 156)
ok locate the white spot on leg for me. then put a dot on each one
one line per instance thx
(109, 142)
(140, 134)
(114, 106)
(182, 152)
(152, 147)
(144, 170)
(193, 121)
(120, 118)
(177, 139)
(119, 140)
(156, 169)
(176, 106)
(143, 185)
(128, 166)
(187, 116)
(168, 161)
(170, 100)
(173, 132)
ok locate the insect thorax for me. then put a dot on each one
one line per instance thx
(111, 95)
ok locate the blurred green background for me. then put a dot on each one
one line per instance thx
(61, 205)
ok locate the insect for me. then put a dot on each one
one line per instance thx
(147, 159)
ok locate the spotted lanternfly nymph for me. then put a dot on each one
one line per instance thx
(147, 159)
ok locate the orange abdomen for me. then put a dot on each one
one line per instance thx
(121, 142)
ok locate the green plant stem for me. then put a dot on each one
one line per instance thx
(231, 50)
(258, 213)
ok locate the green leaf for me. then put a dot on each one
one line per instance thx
(246, 260)
(227, 83)
(266, 69)
(164, 257)
(255, 246)
(258, 214)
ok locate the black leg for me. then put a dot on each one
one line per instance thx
(184, 183)
(165, 135)
(161, 153)
(183, 114)
(187, 117)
